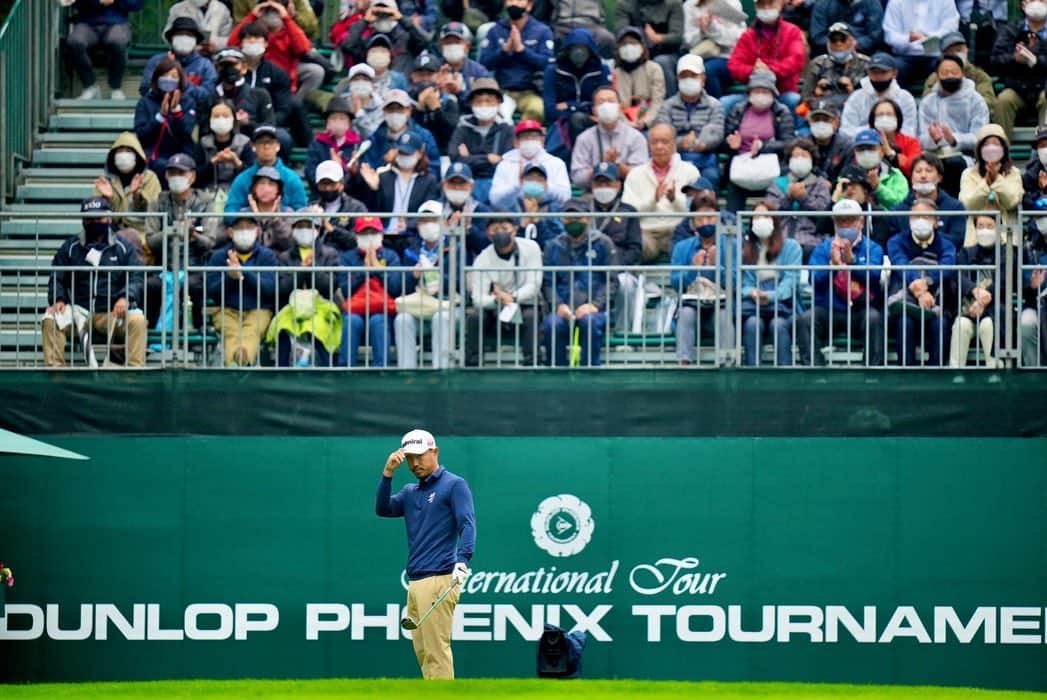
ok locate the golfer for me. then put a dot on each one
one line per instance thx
(441, 535)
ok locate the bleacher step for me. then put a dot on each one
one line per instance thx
(45, 176)
(91, 121)
(70, 156)
(44, 229)
(78, 138)
(58, 192)
(99, 105)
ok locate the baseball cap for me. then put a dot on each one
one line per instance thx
(456, 29)
(883, 61)
(952, 39)
(607, 171)
(310, 213)
(431, 207)
(264, 131)
(182, 162)
(329, 170)
(95, 204)
(630, 31)
(363, 68)
(459, 171)
(379, 39)
(701, 184)
(840, 28)
(690, 62)
(847, 207)
(528, 125)
(575, 205)
(228, 54)
(426, 61)
(418, 442)
(367, 222)
(268, 172)
(408, 143)
(532, 167)
(855, 175)
(397, 97)
(828, 108)
(867, 137)
(1041, 135)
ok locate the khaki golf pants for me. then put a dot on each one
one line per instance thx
(242, 333)
(432, 641)
(132, 333)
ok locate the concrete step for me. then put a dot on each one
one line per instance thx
(70, 156)
(103, 105)
(90, 121)
(41, 209)
(35, 175)
(23, 230)
(30, 246)
(79, 138)
(59, 192)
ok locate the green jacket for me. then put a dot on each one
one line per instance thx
(892, 190)
(324, 325)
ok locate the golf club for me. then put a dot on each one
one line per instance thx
(408, 622)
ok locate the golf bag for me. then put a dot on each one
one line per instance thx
(560, 653)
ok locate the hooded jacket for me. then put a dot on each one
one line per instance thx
(964, 111)
(95, 290)
(983, 84)
(566, 83)
(1006, 191)
(122, 200)
(163, 136)
(498, 140)
(858, 106)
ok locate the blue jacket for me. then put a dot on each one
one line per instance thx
(199, 72)
(780, 289)
(867, 255)
(865, 18)
(903, 250)
(516, 71)
(545, 229)
(575, 86)
(439, 518)
(413, 255)
(161, 137)
(952, 227)
(381, 143)
(683, 254)
(293, 196)
(259, 288)
(95, 13)
(349, 282)
(595, 288)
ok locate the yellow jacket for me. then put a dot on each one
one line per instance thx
(325, 324)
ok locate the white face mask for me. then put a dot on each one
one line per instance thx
(868, 158)
(1041, 153)
(924, 188)
(761, 100)
(453, 53)
(178, 184)
(763, 227)
(396, 121)
(608, 112)
(360, 88)
(244, 238)
(605, 195)
(823, 131)
(800, 167)
(369, 241)
(1041, 225)
(985, 236)
(922, 229)
(1036, 11)
(183, 44)
(384, 26)
(886, 123)
(221, 125)
(407, 162)
(530, 148)
(253, 49)
(125, 161)
(304, 236)
(768, 15)
(690, 87)
(456, 197)
(630, 52)
(992, 153)
(379, 59)
(429, 231)
(485, 114)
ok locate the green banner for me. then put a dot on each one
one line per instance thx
(887, 560)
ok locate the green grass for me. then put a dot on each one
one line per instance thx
(518, 689)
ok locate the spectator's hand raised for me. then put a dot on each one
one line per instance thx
(165, 104)
(949, 136)
(243, 117)
(734, 141)
(699, 258)
(390, 155)
(652, 36)
(935, 130)
(104, 187)
(336, 156)
(918, 287)
(704, 21)
(136, 183)
(873, 176)
(233, 262)
(926, 300)
(416, 20)
(797, 191)
(846, 83)
(253, 203)
(463, 150)
(1037, 277)
(611, 155)
(370, 176)
(530, 205)
(836, 252)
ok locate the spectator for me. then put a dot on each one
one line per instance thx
(711, 29)
(246, 298)
(385, 27)
(702, 288)
(757, 127)
(993, 182)
(953, 44)
(1034, 179)
(579, 299)
(846, 296)
(402, 189)
(79, 302)
(421, 14)
(254, 106)
(950, 116)
(1019, 58)
(506, 272)
(332, 199)
(397, 113)
(590, 17)
(289, 113)
(166, 116)
(460, 205)
(800, 189)
(697, 118)
(127, 182)
(888, 183)
(836, 74)
(482, 138)
(535, 198)
(897, 148)
(771, 44)
(1033, 319)
(662, 24)
(266, 198)
(913, 29)
(610, 140)
(982, 17)
(108, 24)
(625, 234)
(287, 45)
(369, 292)
(462, 71)
(569, 84)
(212, 17)
(379, 57)
(916, 303)
(185, 39)
(308, 328)
(881, 84)
(366, 97)
(835, 149)
(517, 51)
(970, 297)
(927, 174)
(472, 14)
(300, 10)
(640, 82)
(854, 185)
(769, 297)
(336, 142)
(657, 186)
(684, 229)
(180, 203)
(530, 150)
(864, 19)
(267, 148)
(437, 109)
(223, 152)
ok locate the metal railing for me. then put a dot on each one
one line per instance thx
(1031, 290)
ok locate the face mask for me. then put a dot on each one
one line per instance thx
(405, 162)
(848, 234)
(1041, 225)
(800, 167)
(272, 20)
(886, 123)
(922, 229)
(456, 197)
(338, 129)
(761, 101)
(706, 230)
(221, 125)
(485, 114)
(384, 26)
(453, 53)
(924, 188)
(608, 112)
(429, 231)
(243, 239)
(183, 44)
(986, 237)
(605, 195)
(369, 241)
(530, 148)
(763, 227)
(379, 59)
(515, 12)
(253, 49)
(178, 184)
(951, 85)
(328, 196)
(823, 131)
(630, 53)
(840, 57)
(576, 229)
(881, 85)
(768, 15)
(533, 190)
(125, 161)
(166, 84)
(304, 236)
(360, 88)
(992, 153)
(1041, 153)
(502, 239)
(867, 158)
(95, 230)
(578, 55)
(690, 87)
(1036, 11)
(396, 121)
(229, 74)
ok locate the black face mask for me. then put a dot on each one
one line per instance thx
(515, 11)
(229, 74)
(951, 85)
(578, 55)
(328, 196)
(502, 239)
(95, 231)
(880, 85)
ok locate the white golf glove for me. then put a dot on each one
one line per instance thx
(460, 573)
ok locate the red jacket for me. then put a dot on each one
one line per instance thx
(285, 48)
(783, 50)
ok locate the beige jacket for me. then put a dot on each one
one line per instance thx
(640, 188)
(123, 201)
(645, 85)
(1008, 190)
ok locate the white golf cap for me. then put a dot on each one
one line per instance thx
(418, 442)
(691, 62)
(361, 69)
(847, 207)
(329, 170)
(431, 207)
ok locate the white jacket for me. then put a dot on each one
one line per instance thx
(857, 107)
(505, 185)
(524, 284)
(935, 19)
(641, 185)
